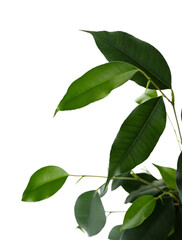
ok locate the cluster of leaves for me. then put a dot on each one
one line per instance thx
(156, 204)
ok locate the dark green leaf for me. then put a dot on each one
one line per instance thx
(178, 224)
(168, 175)
(179, 176)
(44, 183)
(137, 136)
(157, 226)
(148, 94)
(121, 46)
(131, 185)
(96, 84)
(141, 209)
(89, 212)
(115, 233)
(146, 190)
(172, 237)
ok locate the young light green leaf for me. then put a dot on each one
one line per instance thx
(89, 213)
(141, 209)
(96, 84)
(44, 183)
(157, 226)
(168, 175)
(179, 176)
(148, 94)
(121, 46)
(137, 136)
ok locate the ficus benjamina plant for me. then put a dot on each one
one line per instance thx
(155, 212)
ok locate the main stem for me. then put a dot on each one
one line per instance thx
(135, 178)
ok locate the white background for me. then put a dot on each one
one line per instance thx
(41, 52)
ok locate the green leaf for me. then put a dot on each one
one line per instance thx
(80, 229)
(103, 190)
(178, 223)
(115, 233)
(179, 177)
(168, 175)
(137, 136)
(89, 213)
(157, 226)
(121, 46)
(146, 190)
(44, 183)
(96, 84)
(131, 185)
(148, 94)
(141, 209)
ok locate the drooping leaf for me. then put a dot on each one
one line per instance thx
(148, 94)
(115, 233)
(121, 46)
(89, 212)
(146, 190)
(96, 84)
(168, 175)
(179, 176)
(157, 226)
(131, 185)
(137, 136)
(44, 183)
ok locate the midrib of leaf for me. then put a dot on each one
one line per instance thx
(134, 59)
(46, 182)
(138, 135)
(100, 83)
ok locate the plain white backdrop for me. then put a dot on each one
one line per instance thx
(41, 52)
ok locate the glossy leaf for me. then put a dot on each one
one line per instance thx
(141, 209)
(89, 212)
(44, 183)
(137, 136)
(146, 190)
(147, 95)
(121, 46)
(179, 176)
(168, 175)
(157, 226)
(131, 185)
(96, 84)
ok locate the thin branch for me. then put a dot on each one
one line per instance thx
(174, 132)
(149, 79)
(146, 182)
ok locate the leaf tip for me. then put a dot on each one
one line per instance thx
(55, 112)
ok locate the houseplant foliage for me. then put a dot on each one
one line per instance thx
(156, 204)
